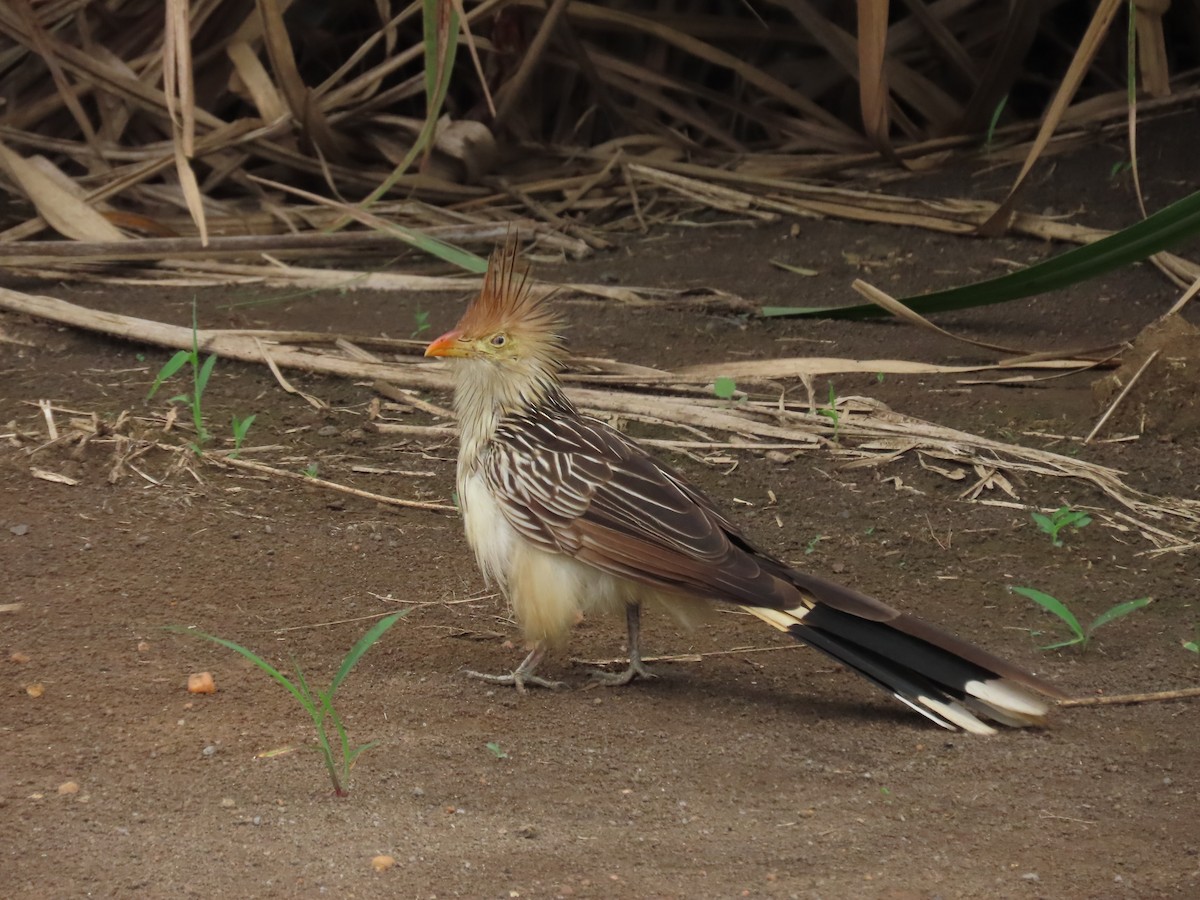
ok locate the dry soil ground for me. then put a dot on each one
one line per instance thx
(768, 774)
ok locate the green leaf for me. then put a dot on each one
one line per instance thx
(1117, 612)
(363, 645)
(496, 750)
(1161, 231)
(724, 387)
(1044, 522)
(205, 374)
(1191, 645)
(173, 365)
(249, 654)
(1053, 605)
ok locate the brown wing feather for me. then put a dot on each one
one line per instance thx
(610, 504)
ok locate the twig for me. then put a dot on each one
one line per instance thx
(1119, 699)
(331, 485)
(1121, 396)
(685, 657)
(48, 414)
(314, 402)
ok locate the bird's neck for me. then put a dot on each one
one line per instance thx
(482, 399)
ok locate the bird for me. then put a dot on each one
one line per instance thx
(570, 517)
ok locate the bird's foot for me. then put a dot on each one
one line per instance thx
(632, 672)
(518, 679)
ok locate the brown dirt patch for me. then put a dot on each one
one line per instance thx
(1162, 372)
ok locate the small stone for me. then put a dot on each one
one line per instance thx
(528, 832)
(68, 787)
(328, 431)
(257, 820)
(418, 792)
(143, 647)
(227, 803)
(201, 683)
(19, 530)
(382, 862)
(210, 751)
(1031, 876)
(19, 657)
(35, 690)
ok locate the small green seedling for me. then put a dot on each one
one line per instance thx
(496, 750)
(1081, 636)
(811, 546)
(831, 411)
(1194, 646)
(310, 471)
(1063, 517)
(240, 427)
(724, 387)
(421, 318)
(989, 139)
(201, 372)
(319, 704)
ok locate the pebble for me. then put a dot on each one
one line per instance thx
(68, 787)
(19, 530)
(201, 683)
(328, 431)
(227, 803)
(35, 690)
(382, 862)
(210, 750)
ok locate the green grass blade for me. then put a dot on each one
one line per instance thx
(1070, 642)
(204, 374)
(1119, 611)
(249, 654)
(1161, 231)
(363, 645)
(456, 256)
(440, 43)
(1053, 605)
(354, 754)
(173, 365)
(305, 692)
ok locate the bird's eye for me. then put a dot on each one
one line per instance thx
(499, 340)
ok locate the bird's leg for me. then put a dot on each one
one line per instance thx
(633, 619)
(522, 675)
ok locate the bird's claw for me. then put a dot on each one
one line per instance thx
(631, 673)
(517, 679)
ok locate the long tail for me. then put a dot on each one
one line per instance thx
(945, 679)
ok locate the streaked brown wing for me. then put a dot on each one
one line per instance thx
(576, 486)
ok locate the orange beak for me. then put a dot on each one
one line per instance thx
(447, 345)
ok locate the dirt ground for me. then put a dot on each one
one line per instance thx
(772, 774)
